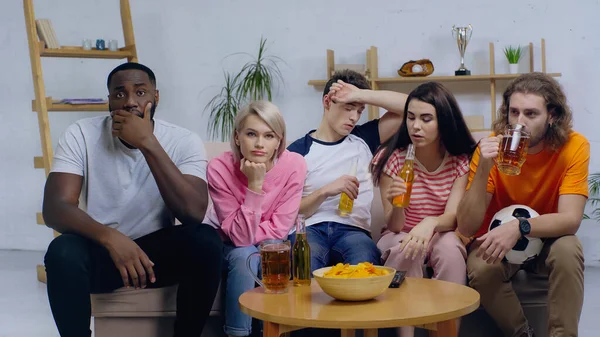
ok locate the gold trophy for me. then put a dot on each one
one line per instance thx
(462, 36)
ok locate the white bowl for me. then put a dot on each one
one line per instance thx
(354, 289)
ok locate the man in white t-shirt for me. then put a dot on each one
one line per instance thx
(116, 186)
(330, 152)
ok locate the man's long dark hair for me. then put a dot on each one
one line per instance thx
(556, 102)
(455, 136)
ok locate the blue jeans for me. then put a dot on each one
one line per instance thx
(332, 242)
(239, 281)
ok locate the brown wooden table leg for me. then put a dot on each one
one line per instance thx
(348, 332)
(370, 333)
(270, 329)
(444, 329)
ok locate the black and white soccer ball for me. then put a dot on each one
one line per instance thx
(526, 249)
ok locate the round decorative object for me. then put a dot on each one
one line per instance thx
(417, 68)
(527, 248)
(422, 67)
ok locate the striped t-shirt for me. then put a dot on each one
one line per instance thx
(430, 190)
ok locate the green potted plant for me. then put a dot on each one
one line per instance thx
(594, 197)
(513, 55)
(254, 81)
(223, 107)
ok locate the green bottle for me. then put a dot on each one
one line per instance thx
(301, 255)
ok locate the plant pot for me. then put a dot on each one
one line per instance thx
(513, 68)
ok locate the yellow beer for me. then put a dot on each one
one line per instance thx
(513, 150)
(408, 175)
(346, 204)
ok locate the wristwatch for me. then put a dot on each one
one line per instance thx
(524, 226)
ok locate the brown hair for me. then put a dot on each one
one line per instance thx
(453, 131)
(348, 76)
(556, 104)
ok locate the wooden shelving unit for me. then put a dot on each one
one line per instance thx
(79, 52)
(55, 105)
(475, 122)
(42, 104)
(384, 80)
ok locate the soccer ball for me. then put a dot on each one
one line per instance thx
(526, 249)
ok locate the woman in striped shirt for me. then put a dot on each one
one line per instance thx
(424, 231)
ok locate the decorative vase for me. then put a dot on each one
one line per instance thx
(513, 68)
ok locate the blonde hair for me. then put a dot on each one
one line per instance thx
(270, 114)
(556, 104)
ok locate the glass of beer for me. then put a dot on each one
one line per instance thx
(346, 204)
(275, 266)
(513, 150)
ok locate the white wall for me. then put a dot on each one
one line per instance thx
(185, 43)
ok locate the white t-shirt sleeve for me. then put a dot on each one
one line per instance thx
(192, 156)
(69, 156)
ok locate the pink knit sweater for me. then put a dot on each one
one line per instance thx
(247, 217)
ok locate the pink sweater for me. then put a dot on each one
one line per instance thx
(247, 217)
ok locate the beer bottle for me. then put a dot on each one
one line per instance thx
(346, 204)
(301, 255)
(408, 175)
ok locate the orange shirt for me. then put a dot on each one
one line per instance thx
(544, 177)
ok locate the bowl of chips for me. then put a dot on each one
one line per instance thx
(360, 282)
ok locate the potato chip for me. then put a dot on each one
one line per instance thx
(361, 270)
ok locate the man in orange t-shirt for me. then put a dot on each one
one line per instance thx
(553, 182)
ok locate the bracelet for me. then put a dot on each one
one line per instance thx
(465, 240)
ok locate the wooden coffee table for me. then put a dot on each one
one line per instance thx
(425, 303)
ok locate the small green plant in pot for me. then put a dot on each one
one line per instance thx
(513, 55)
(256, 80)
(594, 197)
(258, 77)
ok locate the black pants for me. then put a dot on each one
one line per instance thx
(188, 255)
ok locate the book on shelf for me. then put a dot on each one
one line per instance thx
(77, 101)
(46, 33)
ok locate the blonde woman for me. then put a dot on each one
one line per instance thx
(256, 190)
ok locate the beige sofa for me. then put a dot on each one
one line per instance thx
(150, 312)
